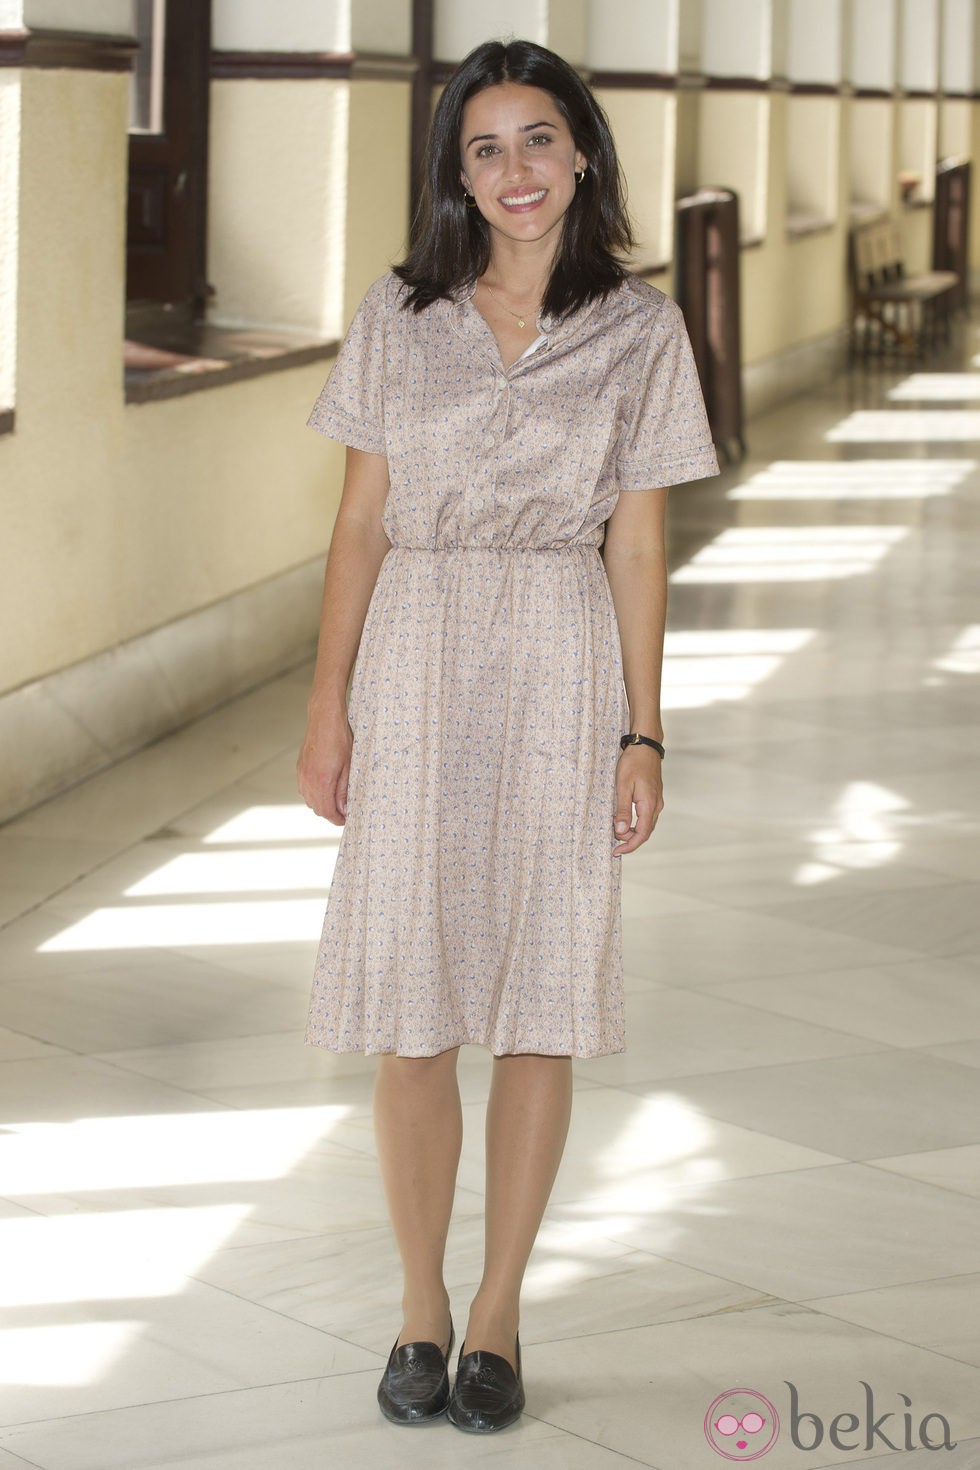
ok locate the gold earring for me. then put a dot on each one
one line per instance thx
(469, 199)
(579, 176)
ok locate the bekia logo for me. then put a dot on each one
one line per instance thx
(742, 1425)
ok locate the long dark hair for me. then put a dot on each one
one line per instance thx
(450, 244)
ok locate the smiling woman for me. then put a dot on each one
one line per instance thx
(497, 392)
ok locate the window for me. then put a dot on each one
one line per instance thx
(165, 241)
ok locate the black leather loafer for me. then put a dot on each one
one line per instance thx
(415, 1386)
(487, 1394)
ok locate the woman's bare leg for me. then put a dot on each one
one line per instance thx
(527, 1123)
(418, 1124)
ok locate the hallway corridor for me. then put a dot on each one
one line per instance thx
(777, 1184)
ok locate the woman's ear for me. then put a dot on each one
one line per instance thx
(581, 162)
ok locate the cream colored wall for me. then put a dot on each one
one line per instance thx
(793, 288)
(644, 124)
(734, 152)
(870, 160)
(377, 174)
(9, 245)
(119, 518)
(277, 169)
(308, 198)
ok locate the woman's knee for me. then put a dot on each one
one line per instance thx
(419, 1072)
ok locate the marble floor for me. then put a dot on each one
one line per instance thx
(770, 1203)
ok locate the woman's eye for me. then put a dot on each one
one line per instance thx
(485, 151)
(540, 138)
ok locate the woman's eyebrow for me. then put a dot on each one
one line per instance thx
(524, 128)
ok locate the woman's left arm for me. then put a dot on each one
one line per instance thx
(636, 565)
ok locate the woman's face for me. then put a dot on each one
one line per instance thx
(518, 160)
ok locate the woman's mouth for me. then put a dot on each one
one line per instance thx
(521, 203)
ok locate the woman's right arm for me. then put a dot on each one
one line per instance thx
(357, 548)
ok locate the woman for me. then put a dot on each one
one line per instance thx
(497, 391)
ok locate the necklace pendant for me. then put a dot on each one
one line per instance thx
(520, 321)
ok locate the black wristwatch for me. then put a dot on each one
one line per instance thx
(642, 740)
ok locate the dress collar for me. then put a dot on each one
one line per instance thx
(555, 331)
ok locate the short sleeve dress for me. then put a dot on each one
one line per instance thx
(475, 898)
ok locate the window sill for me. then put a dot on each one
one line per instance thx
(798, 226)
(861, 212)
(168, 365)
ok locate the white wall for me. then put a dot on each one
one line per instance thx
(736, 38)
(462, 24)
(568, 30)
(919, 60)
(814, 41)
(287, 25)
(690, 35)
(874, 43)
(635, 35)
(108, 17)
(384, 26)
(958, 42)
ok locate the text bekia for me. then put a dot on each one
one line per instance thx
(807, 1428)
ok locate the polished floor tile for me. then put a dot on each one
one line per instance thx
(775, 1185)
(882, 1098)
(949, 1168)
(918, 1003)
(659, 1382)
(942, 1315)
(809, 1232)
(306, 1425)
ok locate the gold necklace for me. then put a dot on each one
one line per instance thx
(520, 320)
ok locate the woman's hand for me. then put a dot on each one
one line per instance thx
(639, 783)
(323, 764)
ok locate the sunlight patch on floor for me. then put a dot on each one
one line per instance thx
(907, 426)
(285, 822)
(964, 655)
(855, 479)
(790, 554)
(63, 1354)
(253, 870)
(186, 925)
(862, 834)
(119, 1255)
(937, 388)
(159, 1151)
(705, 666)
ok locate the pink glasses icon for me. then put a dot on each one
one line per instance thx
(751, 1423)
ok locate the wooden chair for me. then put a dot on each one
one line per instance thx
(891, 310)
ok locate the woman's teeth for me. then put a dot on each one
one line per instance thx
(524, 198)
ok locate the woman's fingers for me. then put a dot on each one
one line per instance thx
(648, 801)
(323, 769)
(326, 799)
(342, 793)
